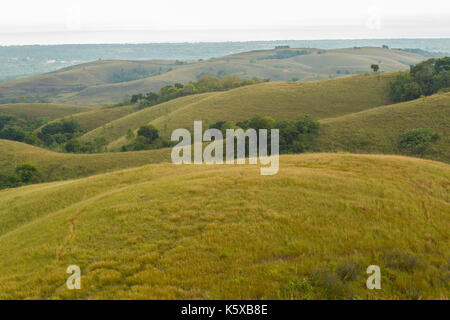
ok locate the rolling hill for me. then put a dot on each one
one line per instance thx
(226, 232)
(377, 130)
(111, 80)
(320, 99)
(34, 111)
(62, 166)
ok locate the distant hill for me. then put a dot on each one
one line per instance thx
(110, 81)
(34, 111)
(309, 232)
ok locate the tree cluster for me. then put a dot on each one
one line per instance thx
(206, 83)
(425, 78)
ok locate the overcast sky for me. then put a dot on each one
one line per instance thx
(100, 21)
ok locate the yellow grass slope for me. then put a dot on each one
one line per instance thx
(92, 83)
(61, 166)
(34, 111)
(320, 99)
(221, 232)
(119, 127)
(378, 130)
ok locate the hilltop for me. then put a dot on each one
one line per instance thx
(308, 232)
(107, 81)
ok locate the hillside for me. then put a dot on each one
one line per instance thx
(377, 130)
(62, 166)
(34, 111)
(119, 127)
(288, 100)
(111, 80)
(97, 117)
(226, 232)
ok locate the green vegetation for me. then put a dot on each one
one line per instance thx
(417, 141)
(204, 84)
(147, 138)
(320, 99)
(308, 232)
(62, 166)
(295, 135)
(425, 78)
(26, 173)
(96, 82)
(379, 130)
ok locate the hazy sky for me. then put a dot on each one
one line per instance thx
(59, 21)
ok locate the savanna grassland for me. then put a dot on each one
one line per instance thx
(371, 186)
(209, 232)
(109, 81)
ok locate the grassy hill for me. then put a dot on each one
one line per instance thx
(288, 100)
(118, 128)
(71, 80)
(377, 130)
(61, 166)
(97, 117)
(34, 111)
(110, 81)
(226, 232)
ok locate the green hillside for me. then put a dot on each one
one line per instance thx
(71, 80)
(34, 111)
(119, 127)
(97, 117)
(110, 81)
(226, 232)
(377, 130)
(62, 166)
(288, 100)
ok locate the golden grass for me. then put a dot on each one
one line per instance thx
(92, 119)
(207, 232)
(377, 130)
(320, 99)
(41, 110)
(60, 166)
(66, 85)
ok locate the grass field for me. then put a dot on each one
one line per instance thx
(92, 83)
(61, 166)
(34, 111)
(320, 99)
(226, 232)
(97, 117)
(119, 127)
(377, 130)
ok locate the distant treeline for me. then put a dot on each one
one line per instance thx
(423, 79)
(204, 84)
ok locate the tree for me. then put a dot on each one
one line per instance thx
(375, 67)
(27, 172)
(149, 132)
(415, 142)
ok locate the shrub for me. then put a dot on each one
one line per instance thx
(27, 172)
(415, 142)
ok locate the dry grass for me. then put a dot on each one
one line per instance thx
(60, 166)
(88, 83)
(320, 99)
(377, 130)
(205, 232)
